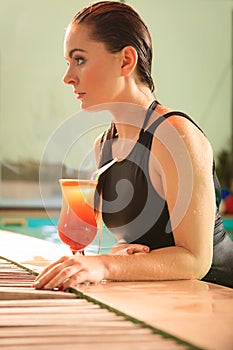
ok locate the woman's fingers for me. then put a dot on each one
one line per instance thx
(50, 266)
(46, 279)
(55, 274)
(77, 278)
(137, 248)
(127, 249)
(65, 277)
(70, 271)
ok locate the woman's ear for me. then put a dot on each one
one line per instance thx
(129, 58)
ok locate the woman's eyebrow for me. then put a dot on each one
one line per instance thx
(74, 50)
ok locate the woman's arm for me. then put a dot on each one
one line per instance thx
(184, 158)
(181, 170)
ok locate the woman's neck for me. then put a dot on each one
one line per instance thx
(129, 117)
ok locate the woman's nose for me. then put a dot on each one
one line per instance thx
(69, 77)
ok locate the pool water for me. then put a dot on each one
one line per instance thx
(228, 224)
(46, 229)
(41, 228)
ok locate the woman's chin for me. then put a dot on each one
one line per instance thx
(95, 107)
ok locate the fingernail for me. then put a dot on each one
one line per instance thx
(48, 288)
(145, 249)
(36, 285)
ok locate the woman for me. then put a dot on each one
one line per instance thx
(161, 198)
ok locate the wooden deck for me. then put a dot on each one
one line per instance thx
(56, 320)
(115, 315)
(197, 312)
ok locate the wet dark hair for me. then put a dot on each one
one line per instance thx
(118, 25)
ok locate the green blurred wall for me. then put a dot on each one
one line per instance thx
(192, 67)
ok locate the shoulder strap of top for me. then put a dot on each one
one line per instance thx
(157, 122)
(149, 112)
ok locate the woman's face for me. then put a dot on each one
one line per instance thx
(93, 71)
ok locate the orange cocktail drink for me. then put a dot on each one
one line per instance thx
(77, 225)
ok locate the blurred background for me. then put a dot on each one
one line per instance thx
(192, 70)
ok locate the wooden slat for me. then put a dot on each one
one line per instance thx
(11, 293)
(79, 340)
(46, 320)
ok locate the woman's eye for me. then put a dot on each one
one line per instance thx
(79, 60)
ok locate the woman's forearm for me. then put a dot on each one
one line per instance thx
(169, 263)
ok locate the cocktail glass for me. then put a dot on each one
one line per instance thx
(77, 225)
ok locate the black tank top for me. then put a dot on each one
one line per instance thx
(131, 207)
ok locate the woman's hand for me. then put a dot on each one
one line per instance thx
(69, 271)
(126, 249)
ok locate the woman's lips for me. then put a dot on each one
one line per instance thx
(80, 95)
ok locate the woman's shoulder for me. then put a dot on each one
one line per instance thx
(177, 129)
